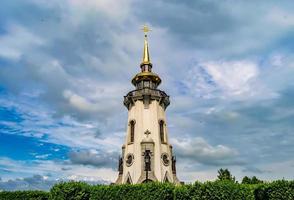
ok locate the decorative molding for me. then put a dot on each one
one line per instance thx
(165, 159)
(161, 120)
(129, 159)
(151, 177)
(146, 95)
(131, 120)
(147, 133)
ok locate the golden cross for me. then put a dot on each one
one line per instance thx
(146, 29)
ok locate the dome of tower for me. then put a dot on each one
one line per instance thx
(150, 76)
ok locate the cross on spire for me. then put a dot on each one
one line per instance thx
(146, 57)
(146, 29)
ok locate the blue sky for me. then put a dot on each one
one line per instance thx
(66, 65)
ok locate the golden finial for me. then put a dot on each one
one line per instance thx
(146, 58)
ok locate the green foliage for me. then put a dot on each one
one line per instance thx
(70, 191)
(260, 192)
(150, 191)
(217, 190)
(246, 180)
(191, 191)
(225, 174)
(24, 195)
(253, 180)
(282, 190)
(226, 190)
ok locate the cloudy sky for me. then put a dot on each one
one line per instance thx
(65, 66)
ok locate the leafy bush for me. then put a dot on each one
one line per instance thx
(253, 180)
(282, 190)
(70, 191)
(225, 174)
(226, 190)
(150, 191)
(217, 190)
(191, 191)
(24, 195)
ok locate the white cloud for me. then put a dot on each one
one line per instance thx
(44, 156)
(199, 150)
(228, 80)
(233, 77)
(17, 41)
(38, 121)
(58, 170)
(199, 175)
(36, 182)
(112, 8)
(78, 101)
(280, 17)
(94, 158)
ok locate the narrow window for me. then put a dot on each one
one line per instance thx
(146, 84)
(161, 130)
(132, 131)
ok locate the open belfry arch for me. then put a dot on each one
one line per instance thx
(146, 154)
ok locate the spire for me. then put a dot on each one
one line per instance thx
(146, 65)
(146, 57)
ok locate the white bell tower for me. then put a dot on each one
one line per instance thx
(146, 154)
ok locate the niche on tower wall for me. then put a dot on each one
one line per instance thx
(147, 144)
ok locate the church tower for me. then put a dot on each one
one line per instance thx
(146, 154)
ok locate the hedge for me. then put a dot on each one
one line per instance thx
(282, 190)
(214, 191)
(150, 191)
(217, 190)
(24, 195)
(70, 191)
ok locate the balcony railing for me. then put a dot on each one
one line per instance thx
(151, 93)
(146, 91)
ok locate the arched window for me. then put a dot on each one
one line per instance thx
(132, 131)
(161, 131)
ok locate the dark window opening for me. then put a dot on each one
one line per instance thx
(132, 131)
(166, 179)
(129, 180)
(146, 84)
(161, 130)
